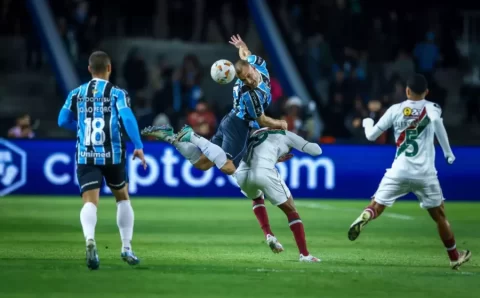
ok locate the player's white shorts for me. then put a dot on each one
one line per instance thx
(255, 182)
(427, 191)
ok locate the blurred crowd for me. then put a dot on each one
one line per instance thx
(355, 60)
(358, 60)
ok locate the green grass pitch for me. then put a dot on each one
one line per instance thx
(215, 248)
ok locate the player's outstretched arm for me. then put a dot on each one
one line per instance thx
(299, 143)
(434, 113)
(243, 50)
(372, 132)
(66, 118)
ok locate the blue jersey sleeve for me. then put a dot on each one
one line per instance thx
(123, 99)
(129, 122)
(253, 104)
(257, 60)
(66, 118)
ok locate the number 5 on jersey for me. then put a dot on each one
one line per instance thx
(94, 134)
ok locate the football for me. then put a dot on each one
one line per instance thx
(222, 71)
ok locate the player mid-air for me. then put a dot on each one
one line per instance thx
(416, 122)
(251, 96)
(257, 176)
(98, 111)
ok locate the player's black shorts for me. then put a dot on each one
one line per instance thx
(91, 176)
(232, 136)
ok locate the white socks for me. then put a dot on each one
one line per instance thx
(210, 150)
(88, 219)
(189, 151)
(125, 219)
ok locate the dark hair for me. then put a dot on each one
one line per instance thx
(98, 62)
(240, 64)
(418, 84)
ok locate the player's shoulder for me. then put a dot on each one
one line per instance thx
(396, 108)
(75, 91)
(254, 59)
(117, 91)
(432, 105)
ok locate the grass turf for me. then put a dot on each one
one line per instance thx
(214, 248)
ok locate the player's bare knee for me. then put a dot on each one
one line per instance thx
(288, 206)
(437, 214)
(91, 196)
(121, 194)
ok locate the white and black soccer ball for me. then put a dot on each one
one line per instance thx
(222, 71)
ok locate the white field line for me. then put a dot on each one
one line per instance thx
(330, 207)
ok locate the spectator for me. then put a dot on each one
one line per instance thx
(403, 66)
(375, 111)
(335, 118)
(293, 115)
(202, 120)
(135, 72)
(186, 84)
(427, 55)
(22, 129)
(143, 111)
(354, 120)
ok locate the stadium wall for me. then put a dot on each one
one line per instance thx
(36, 167)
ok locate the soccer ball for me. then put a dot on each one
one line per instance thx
(222, 71)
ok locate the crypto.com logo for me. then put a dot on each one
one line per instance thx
(13, 167)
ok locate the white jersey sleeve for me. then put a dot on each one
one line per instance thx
(435, 113)
(385, 122)
(299, 143)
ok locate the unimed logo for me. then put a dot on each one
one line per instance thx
(169, 169)
(13, 167)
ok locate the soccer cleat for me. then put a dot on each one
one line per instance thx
(163, 132)
(358, 225)
(130, 258)
(274, 245)
(184, 135)
(93, 262)
(463, 257)
(309, 259)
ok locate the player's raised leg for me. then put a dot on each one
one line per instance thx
(388, 191)
(457, 258)
(188, 150)
(202, 153)
(213, 152)
(90, 179)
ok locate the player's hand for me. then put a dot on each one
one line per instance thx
(237, 41)
(285, 157)
(367, 122)
(139, 153)
(450, 158)
(283, 125)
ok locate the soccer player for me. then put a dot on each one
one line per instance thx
(415, 122)
(98, 111)
(257, 176)
(251, 96)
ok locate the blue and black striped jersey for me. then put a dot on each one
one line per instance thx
(248, 103)
(97, 106)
